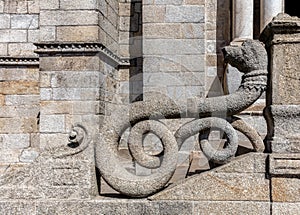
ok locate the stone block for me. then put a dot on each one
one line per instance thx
(15, 6)
(4, 21)
(17, 208)
(285, 208)
(194, 2)
(19, 87)
(68, 107)
(285, 82)
(15, 141)
(76, 79)
(49, 4)
(154, 13)
(213, 186)
(22, 100)
(164, 63)
(192, 63)
(285, 189)
(48, 141)
(24, 21)
(19, 111)
(168, 2)
(8, 156)
(70, 17)
(3, 49)
(161, 31)
(125, 9)
(33, 6)
(78, 33)
(248, 163)
(232, 208)
(77, 4)
(70, 63)
(33, 36)
(10, 36)
(52, 123)
(283, 128)
(185, 14)
(29, 155)
(47, 33)
(193, 30)
(46, 94)
(173, 46)
(21, 49)
(83, 94)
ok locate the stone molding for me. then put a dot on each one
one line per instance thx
(52, 48)
(282, 29)
(285, 164)
(19, 61)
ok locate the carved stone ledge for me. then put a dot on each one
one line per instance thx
(285, 164)
(19, 61)
(282, 29)
(79, 48)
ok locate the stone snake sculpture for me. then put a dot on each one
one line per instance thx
(250, 59)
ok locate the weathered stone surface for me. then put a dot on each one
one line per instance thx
(219, 185)
(232, 208)
(19, 87)
(185, 14)
(78, 33)
(57, 17)
(9, 36)
(52, 123)
(24, 21)
(283, 128)
(285, 189)
(67, 63)
(285, 208)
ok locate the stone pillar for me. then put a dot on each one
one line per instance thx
(78, 50)
(269, 9)
(243, 20)
(282, 39)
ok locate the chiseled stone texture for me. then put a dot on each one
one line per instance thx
(285, 208)
(217, 185)
(285, 189)
(130, 207)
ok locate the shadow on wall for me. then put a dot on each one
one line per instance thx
(136, 52)
(223, 38)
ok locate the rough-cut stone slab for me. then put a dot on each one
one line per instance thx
(217, 185)
(285, 208)
(285, 189)
(232, 208)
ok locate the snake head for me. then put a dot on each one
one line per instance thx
(251, 55)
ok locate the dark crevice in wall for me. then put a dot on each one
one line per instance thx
(136, 53)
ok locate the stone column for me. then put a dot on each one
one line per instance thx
(243, 20)
(242, 29)
(269, 9)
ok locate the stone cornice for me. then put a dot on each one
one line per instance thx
(282, 29)
(19, 61)
(54, 48)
